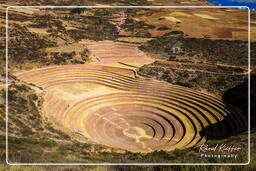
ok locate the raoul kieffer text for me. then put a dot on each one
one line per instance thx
(219, 148)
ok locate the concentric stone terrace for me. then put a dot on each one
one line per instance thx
(111, 107)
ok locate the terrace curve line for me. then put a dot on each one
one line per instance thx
(110, 106)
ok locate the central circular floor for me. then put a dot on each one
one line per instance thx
(135, 127)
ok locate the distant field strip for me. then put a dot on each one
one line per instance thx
(110, 106)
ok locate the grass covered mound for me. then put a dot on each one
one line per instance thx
(177, 46)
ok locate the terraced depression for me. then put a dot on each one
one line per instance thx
(111, 106)
(120, 78)
(145, 82)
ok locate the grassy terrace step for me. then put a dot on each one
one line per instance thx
(231, 124)
(65, 77)
(74, 112)
(205, 117)
(167, 136)
(83, 70)
(54, 108)
(140, 115)
(235, 121)
(108, 134)
(112, 45)
(107, 51)
(97, 69)
(174, 102)
(85, 75)
(126, 87)
(121, 71)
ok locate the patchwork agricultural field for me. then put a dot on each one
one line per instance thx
(127, 85)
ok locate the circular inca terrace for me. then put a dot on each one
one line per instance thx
(110, 106)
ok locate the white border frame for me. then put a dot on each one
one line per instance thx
(166, 164)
